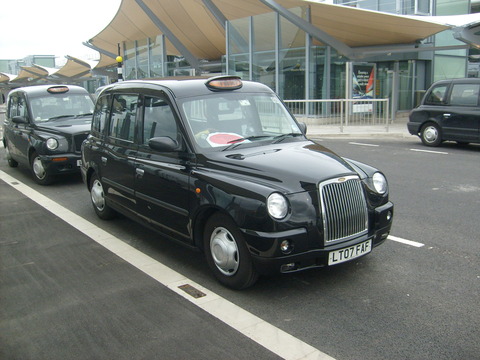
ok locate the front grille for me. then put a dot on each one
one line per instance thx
(78, 140)
(344, 209)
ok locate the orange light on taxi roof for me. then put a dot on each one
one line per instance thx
(57, 89)
(224, 83)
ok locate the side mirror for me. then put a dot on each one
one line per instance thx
(163, 144)
(303, 128)
(19, 120)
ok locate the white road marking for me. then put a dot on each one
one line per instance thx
(362, 144)
(404, 241)
(430, 151)
(272, 338)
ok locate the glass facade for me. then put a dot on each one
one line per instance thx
(274, 51)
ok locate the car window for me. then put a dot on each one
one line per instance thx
(17, 107)
(100, 115)
(436, 95)
(47, 107)
(465, 94)
(124, 112)
(158, 120)
(221, 120)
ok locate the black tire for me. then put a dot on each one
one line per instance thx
(97, 196)
(227, 254)
(431, 134)
(12, 163)
(39, 173)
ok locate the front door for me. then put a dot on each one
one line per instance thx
(162, 178)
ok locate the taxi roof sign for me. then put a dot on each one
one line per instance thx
(58, 89)
(224, 83)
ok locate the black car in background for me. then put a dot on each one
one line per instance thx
(44, 129)
(450, 110)
(222, 166)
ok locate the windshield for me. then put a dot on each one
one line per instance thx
(58, 106)
(226, 120)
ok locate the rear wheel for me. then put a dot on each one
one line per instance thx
(227, 254)
(431, 134)
(97, 195)
(40, 174)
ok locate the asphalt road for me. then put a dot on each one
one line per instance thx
(400, 302)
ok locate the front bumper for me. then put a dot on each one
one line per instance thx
(61, 163)
(273, 261)
(413, 128)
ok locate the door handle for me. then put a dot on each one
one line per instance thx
(447, 115)
(104, 160)
(139, 172)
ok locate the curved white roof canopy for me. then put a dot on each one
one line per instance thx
(195, 28)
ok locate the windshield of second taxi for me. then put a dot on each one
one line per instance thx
(223, 119)
(49, 107)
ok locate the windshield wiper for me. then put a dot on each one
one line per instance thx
(282, 137)
(60, 117)
(86, 114)
(235, 142)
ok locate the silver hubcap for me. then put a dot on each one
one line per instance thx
(224, 251)
(430, 134)
(96, 193)
(38, 168)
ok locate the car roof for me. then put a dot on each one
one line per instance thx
(37, 90)
(458, 80)
(185, 87)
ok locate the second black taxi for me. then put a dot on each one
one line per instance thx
(222, 166)
(44, 129)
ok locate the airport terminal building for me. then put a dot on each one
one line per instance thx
(302, 49)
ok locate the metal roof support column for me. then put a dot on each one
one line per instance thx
(164, 56)
(250, 48)
(309, 28)
(277, 52)
(149, 58)
(308, 59)
(222, 20)
(227, 47)
(192, 60)
(101, 51)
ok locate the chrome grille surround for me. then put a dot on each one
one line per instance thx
(344, 209)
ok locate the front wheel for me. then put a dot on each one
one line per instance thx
(97, 195)
(40, 174)
(227, 254)
(431, 134)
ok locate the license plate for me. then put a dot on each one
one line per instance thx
(79, 163)
(349, 253)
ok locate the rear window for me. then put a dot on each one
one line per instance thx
(465, 94)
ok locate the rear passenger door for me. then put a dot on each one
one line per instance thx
(162, 178)
(461, 121)
(117, 162)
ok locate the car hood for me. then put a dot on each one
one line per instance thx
(67, 125)
(289, 167)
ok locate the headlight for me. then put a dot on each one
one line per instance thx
(277, 206)
(52, 144)
(380, 183)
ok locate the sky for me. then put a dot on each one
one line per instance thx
(52, 27)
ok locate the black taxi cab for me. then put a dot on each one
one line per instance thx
(44, 129)
(449, 111)
(222, 166)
